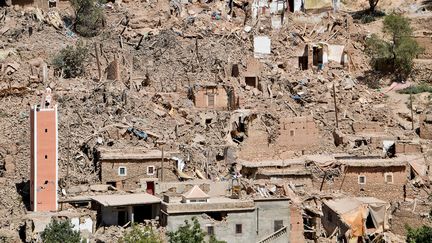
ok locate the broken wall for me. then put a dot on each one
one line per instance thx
(426, 126)
(211, 97)
(298, 133)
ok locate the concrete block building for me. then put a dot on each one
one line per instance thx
(44, 155)
(231, 220)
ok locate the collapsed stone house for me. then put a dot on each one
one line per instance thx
(215, 97)
(320, 54)
(292, 171)
(232, 220)
(294, 134)
(371, 134)
(354, 219)
(135, 168)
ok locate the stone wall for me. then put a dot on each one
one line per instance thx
(135, 170)
(295, 134)
(220, 98)
(426, 126)
(375, 185)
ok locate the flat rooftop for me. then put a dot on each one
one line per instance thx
(125, 199)
(175, 206)
(132, 154)
(271, 163)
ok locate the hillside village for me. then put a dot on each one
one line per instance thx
(264, 120)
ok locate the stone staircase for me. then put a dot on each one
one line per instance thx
(280, 236)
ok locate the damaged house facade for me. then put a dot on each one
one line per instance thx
(214, 97)
(355, 219)
(374, 177)
(136, 168)
(232, 220)
(294, 134)
(123, 208)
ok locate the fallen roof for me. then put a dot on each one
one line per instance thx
(195, 192)
(345, 205)
(133, 154)
(125, 199)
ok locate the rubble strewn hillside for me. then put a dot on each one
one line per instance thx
(162, 54)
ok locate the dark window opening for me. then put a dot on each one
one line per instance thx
(46, 182)
(210, 230)
(112, 183)
(208, 121)
(292, 133)
(46, 156)
(219, 157)
(219, 216)
(235, 70)
(46, 130)
(278, 224)
(251, 81)
(303, 62)
(238, 229)
(362, 180)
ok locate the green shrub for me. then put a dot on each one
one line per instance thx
(190, 233)
(416, 89)
(419, 235)
(395, 56)
(71, 60)
(89, 17)
(141, 235)
(60, 231)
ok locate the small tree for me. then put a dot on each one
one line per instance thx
(71, 60)
(372, 5)
(396, 55)
(89, 17)
(419, 235)
(60, 231)
(141, 235)
(190, 234)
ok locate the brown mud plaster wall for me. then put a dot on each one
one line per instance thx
(211, 97)
(135, 170)
(375, 185)
(295, 134)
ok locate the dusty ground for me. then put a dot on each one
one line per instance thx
(93, 112)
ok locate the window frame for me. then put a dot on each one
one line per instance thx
(119, 169)
(238, 229)
(213, 99)
(154, 170)
(276, 223)
(212, 231)
(358, 180)
(388, 174)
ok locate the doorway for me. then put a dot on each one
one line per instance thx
(143, 212)
(150, 187)
(317, 56)
(122, 217)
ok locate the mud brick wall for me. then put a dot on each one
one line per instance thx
(220, 98)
